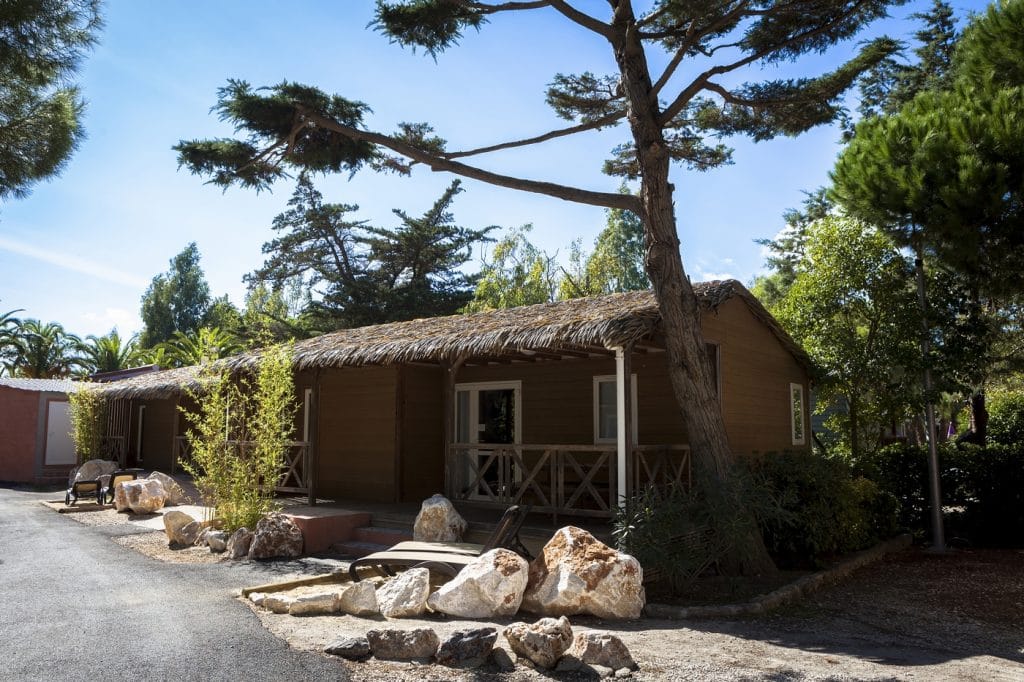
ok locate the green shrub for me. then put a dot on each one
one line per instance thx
(828, 509)
(238, 436)
(87, 409)
(1006, 418)
(982, 489)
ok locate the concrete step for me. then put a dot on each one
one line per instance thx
(381, 536)
(356, 549)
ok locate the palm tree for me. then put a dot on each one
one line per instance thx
(208, 343)
(43, 351)
(8, 333)
(109, 353)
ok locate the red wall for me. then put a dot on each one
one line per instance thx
(19, 419)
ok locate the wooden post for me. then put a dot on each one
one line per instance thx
(399, 427)
(314, 438)
(449, 368)
(624, 421)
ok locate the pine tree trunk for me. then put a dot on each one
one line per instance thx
(687, 361)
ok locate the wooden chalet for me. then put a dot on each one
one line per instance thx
(507, 406)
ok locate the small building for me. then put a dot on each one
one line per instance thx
(522, 405)
(35, 430)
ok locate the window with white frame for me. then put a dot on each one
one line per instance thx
(796, 413)
(606, 410)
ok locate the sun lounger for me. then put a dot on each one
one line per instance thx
(79, 488)
(446, 557)
(120, 476)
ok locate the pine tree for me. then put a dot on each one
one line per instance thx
(676, 114)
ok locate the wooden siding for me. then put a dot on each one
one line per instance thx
(756, 373)
(421, 434)
(558, 398)
(356, 456)
(158, 431)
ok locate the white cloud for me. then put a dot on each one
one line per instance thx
(125, 321)
(73, 263)
(709, 276)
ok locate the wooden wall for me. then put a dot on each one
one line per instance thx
(19, 419)
(756, 373)
(421, 438)
(356, 441)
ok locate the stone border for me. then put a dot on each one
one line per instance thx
(786, 594)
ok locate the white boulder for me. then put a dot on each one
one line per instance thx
(601, 648)
(438, 521)
(405, 595)
(577, 574)
(493, 585)
(181, 528)
(542, 642)
(276, 535)
(93, 469)
(175, 493)
(143, 495)
(359, 599)
(319, 604)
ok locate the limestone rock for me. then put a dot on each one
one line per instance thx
(318, 604)
(352, 648)
(175, 493)
(175, 525)
(239, 543)
(438, 521)
(144, 495)
(359, 599)
(467, 648)
(276, 536)
(542, 642)
(257, 598)
(93, 469)
(403, 645)
(493, 585)
(596, 648)
(405, 595)
(121, 499)
(577, 574)
(216, 540)
(278, 603)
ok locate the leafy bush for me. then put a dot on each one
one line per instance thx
(982, 489)
(828, 509)
(239, 435)
(87, 409)
(678, 534)
(1006, 418)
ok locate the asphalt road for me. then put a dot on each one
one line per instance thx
(74, 605)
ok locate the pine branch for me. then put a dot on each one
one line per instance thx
(438, 163)
(585, 20)
(607, 120)
(699, 83)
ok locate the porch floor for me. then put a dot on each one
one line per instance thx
(536, 531)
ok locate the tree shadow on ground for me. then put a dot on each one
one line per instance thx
(912, 609)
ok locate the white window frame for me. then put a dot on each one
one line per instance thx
(802, 440)
(517, 388)
(610, 378)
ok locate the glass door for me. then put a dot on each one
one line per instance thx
(488, 414)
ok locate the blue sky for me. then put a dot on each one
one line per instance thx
(83, 247)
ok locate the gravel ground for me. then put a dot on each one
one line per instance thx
(913, 616)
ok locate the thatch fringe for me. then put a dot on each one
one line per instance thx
(602, 321)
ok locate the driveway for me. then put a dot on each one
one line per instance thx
(78, 606)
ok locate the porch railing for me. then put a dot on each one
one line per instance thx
(577, 480)
(294, 476)
(114, 448)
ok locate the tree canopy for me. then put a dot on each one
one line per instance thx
(42, 43)
(176, 300)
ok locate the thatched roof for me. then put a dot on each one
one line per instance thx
(588, 325)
